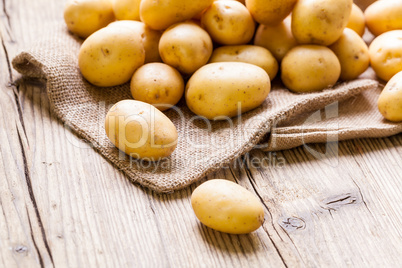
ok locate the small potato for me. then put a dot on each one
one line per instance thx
(384, 16)
(110, 56)
(159, 15)
(278, 39)
(390, 100)
(228, 23)
(157, 84)
(221, 90)
(185, 46)
(127, 9)
(352, 53)
(386, 54)
(356, 20)
(307, 68)
(227, 207)
(270, 12)
(320, 22)
(249, 54)
(84, 17)
(140, 130)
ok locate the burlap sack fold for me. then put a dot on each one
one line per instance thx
(203, 146)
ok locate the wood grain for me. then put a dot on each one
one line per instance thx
(63, 205)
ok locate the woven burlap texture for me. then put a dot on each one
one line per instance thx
(203, 146)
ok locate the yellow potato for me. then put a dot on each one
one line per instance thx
(110, 56)
(140, 130)
(127, 9)
(227, 207)
(221, 90)
(356, 20)
(278, 39)
(270, 12)
(228, 23)
(384, 16)
(352, 53)
(150, 38)
(157, 84)
(185, 46)
(84, 17)
(321, 21)
(390, 100)
(249, 54)
(307, 68)
(159, 15)
(386, 54)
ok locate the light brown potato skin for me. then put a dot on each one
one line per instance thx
(383, 16)
(218, 91)
(320, 22)
(227, 207)
(356, 20)
(308, 68)
(127, 9)
(228, 23)
(110, 56)
(390, 100)
(270, 12)
(84, 17)
(158, 84)
(140, 130)
(249, 54)
(386, 54)
(352, 53)
(278, 39)
(185, 46)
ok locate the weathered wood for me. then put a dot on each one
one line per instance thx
(63, 205)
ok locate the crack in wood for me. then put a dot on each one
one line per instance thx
(34, 242)
(6, 13)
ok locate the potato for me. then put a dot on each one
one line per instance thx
(278, 39)
(228, 23)
(270, 12)
(159, 15)
(110, 56)
(227, 207)
(127, 9)
(150, 38)
(320, 21)
(386, 54)
(356, 20)
(307, 68)
(384, 16)
(157, 84)
(390, 100)
(352, 53)
(220, 90)
(84, 17)
(249, 54)
(140, 130)
(185, 46)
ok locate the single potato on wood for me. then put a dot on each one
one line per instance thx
(390, 100)
(227, 207)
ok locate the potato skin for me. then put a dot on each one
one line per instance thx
(110, 56)
(308, 68)
(384, 16)
(352, 53)
(320, 22)
(84, 17)
(217, 90)
(227, 207)
(386, 54)
(127, 9)
(356, 20)
(390, 100)
(158, 84)
(140, 130)
(249, 54)
(270, 12)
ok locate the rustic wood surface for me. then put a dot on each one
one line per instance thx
(63, 205)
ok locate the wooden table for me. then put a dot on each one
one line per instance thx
(63, 205)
